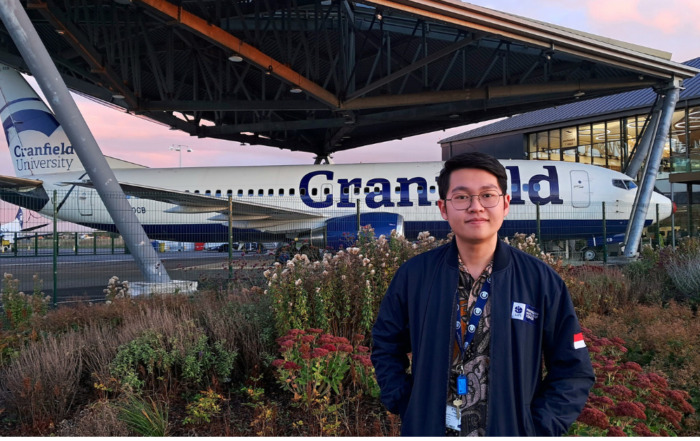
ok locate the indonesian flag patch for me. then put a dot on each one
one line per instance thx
(578, 341)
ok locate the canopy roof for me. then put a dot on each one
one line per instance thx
(323, 76)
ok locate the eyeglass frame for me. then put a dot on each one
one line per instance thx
(478, 197)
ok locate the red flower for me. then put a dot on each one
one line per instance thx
(364, 360)
(619, 391)
(277, 363)
(358, 337)
(641, 429)
(295, 332)
(314, 331)
(308, 338)
(601, 401)
(615, 431)
(304, 349)
(329, 347)
(362, 349)
(290, 365)
(631, 365)
(341, 340)
(345, 348)
(319, 352)
(594, 418)
(627, 409)
(657, 379)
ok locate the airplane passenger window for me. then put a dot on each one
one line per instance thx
(346, 190)
(357, 190)
(281, 192)
(240, 193)
(314, 191)
(326, 190)
(196, 191)
(261, 192)
(366, 190)
(229, 193)
(291, 192)
(218, 193)
(397, 190)
(432, 189)
(270, 192)
(302, 191)
(251, 192)
(207, 192)
(420, 189)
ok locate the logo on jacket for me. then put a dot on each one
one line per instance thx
(524, 312)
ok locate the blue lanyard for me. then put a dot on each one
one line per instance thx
(477, 312)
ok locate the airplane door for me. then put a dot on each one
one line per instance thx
(580, 189)
(85, 202)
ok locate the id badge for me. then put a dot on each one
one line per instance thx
(462, 387)
(454, 418)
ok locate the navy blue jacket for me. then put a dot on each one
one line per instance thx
(417, 315)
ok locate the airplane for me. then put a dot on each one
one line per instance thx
(12, 231)
(277, 203)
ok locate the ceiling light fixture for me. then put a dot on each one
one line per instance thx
(579, 94)
(379, 15)
(236, 58)
(295, 89)
(269, 70)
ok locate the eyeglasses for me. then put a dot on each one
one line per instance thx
(487, 199)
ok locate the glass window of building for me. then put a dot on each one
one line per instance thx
(584, 144)
(569, 142)
(555, 145)
(613, 144)
(598, 141)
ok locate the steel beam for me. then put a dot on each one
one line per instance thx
(39, 61)
(645, 143)
(641, 206)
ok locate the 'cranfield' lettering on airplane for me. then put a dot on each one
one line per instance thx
(382, 198)
(28, 158)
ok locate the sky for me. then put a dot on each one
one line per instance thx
(670, 25)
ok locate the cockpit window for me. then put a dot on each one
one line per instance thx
(626, 184)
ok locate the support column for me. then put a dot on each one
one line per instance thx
(39, 61)
(636, 224)
(643, 147)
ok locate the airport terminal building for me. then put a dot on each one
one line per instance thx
(603, 131)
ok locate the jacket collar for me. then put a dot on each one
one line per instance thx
(501, 257)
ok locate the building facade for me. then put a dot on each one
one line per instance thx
(605, 132)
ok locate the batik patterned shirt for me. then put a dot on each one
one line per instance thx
(473, 406)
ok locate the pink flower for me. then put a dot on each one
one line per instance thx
(362, 349)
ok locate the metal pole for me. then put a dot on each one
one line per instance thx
(230, 239)
(55, 246)
(539, 228)
(643, 148)
(359, 228)
(39, 61)
(605, 236)
(646, 189)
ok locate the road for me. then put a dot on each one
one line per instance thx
(84, 276)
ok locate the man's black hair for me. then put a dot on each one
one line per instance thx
(477, 160)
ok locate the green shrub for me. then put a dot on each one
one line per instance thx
(186, 355)
(205, 406)
(342, 293)
(19, 307)
(683, 268)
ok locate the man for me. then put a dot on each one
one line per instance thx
(477, 369)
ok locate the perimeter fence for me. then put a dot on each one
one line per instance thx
(201, 241)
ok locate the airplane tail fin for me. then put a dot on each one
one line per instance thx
(20, 218)
(37, 142)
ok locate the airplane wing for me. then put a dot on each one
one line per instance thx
(186, 202)
(14, 183)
